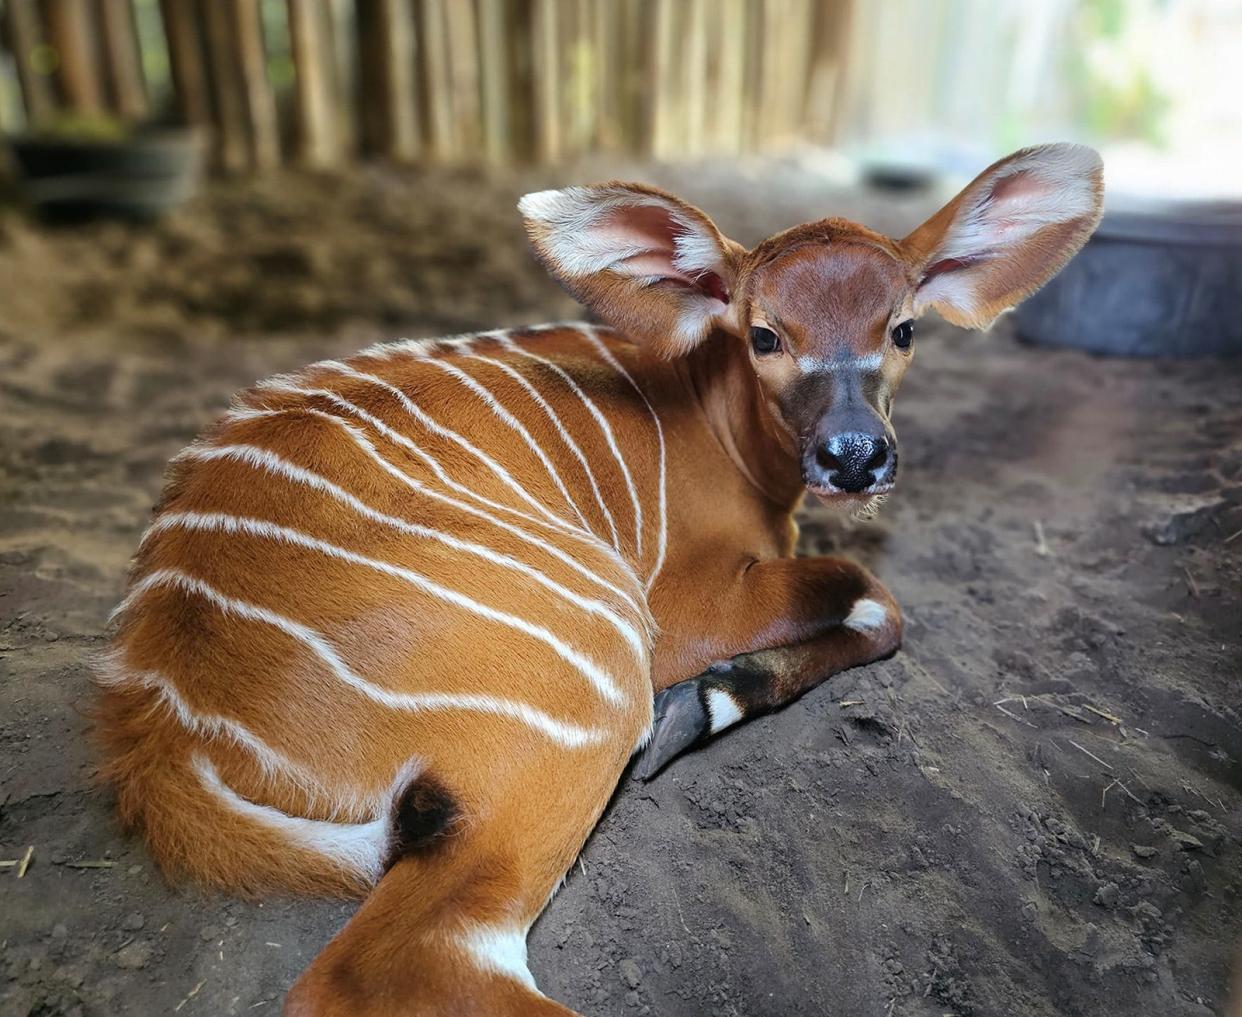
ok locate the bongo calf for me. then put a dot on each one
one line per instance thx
(398, 623)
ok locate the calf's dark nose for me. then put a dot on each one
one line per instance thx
(851, 461)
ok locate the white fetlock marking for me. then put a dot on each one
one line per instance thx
(866, 615)
(722, 710)
(499, 949)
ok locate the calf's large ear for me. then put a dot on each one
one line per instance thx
(1009, 231)
(646, 262)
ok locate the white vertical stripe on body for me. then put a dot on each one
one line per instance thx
(426, 421)
(563, 732)
(604, 427)
(603, 683)
(212, 520)
(593, 338)
(112, 673)
(572, 445)
(365, 445)
(508, 419)
(360, 847)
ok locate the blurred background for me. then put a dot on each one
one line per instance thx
(350, 142)
(941, 82)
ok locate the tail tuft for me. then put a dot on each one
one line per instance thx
(424, 812)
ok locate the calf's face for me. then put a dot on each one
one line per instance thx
(826, 309)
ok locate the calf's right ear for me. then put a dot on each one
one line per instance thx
(646, 262)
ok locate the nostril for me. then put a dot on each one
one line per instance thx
(827, 459)
(879, 455)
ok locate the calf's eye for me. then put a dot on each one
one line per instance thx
(764, 340)
(903, 335)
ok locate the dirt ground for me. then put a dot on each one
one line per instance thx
(1035, 808)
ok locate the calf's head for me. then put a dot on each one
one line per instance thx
(826, 309)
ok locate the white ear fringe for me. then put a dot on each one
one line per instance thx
(1066, 190)
(578, 247)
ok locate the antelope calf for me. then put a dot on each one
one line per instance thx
(398, 623)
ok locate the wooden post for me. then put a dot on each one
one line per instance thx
(70, 31)
(25, 35)
(229, 105)
(519, 83)
(126, 86)
(665, 82)
(494, 79)
(461, 44)
(694, 82)
(256, 91)
(752, 88)
(386, 62)
(317, 140)
(636, 68)
(185, 58)
(437, 83)
(549, 136)
(824, 92)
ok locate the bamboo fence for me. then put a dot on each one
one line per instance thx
(319, 82)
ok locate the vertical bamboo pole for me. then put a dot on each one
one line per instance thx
(437, 83)
(549, 138)
(694, 76)
(823, 71)
(665, 84)
(185, 58)
(494, 80)
(25, 34)
(637, 60)
(340, 43)
(119, 35)
(228, 102)
(386, 77)
(579, 92)
(607, 49)
(461, 47)
(256, 91)
(313, 98)
(70, 31)
(752, 89)
(520, 85)
(730, 93)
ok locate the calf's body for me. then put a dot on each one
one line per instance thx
(398, 622)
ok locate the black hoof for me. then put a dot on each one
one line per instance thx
(680, 721)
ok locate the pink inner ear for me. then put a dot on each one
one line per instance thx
(947, 265)
(1017, 187)
(654, 230)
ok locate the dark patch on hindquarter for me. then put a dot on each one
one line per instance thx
(425, 812)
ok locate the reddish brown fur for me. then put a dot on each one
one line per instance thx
(505, 808)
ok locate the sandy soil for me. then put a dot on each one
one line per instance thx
(1035, 808)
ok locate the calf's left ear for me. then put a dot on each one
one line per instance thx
(646, 262)
(1008, 232)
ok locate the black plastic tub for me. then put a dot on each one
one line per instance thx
(1154, 281)
(137, 177)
